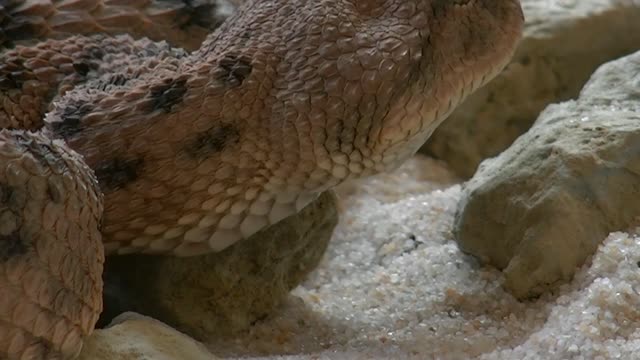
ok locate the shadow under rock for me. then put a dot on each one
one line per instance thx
(294, 328)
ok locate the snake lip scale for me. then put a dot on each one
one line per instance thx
(114, 141)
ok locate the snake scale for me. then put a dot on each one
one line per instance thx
(114, 141)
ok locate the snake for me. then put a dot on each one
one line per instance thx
(180, 127)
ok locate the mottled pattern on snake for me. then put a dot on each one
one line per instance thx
(150, 148)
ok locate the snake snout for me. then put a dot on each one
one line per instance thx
(450, 48)
(476, 38)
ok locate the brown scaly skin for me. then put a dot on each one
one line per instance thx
(31, 76)
(193, 152)
(50, 248)
(182, 22)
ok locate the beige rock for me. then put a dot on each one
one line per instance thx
(135, 337)
(543, 206)
(563, 43)
(221, 293)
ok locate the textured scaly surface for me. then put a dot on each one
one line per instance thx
(194, 151)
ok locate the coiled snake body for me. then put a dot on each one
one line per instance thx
(121, 144)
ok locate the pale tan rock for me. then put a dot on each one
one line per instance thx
(542, 207)
(135, 337)
(563, 43)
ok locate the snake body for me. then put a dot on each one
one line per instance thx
(118, 143)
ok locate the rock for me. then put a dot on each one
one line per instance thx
(543, 206)
(563, 43)
(135, 337)
(221, 293)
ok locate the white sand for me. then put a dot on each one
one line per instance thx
(394, 285)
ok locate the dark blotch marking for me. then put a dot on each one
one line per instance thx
(9, 81)
(71, 119)
(81, 68)
(212, 141)
(54, 193)
(117, 79)
(6, 192)
(167, 94)
(234, 69)
(93, 52)
(12, 74)
(12, 245)
(18, 28)
(89, 59)
(117, 173)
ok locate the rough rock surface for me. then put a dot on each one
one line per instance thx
(563, 43)
(220, 293)
(542, 207)
(135, 337)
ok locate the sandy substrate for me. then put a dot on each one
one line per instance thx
(394, 285)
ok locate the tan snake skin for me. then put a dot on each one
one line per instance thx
(147, 147)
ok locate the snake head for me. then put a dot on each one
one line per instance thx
(440, 52)
(476, 38)
(357, 86)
